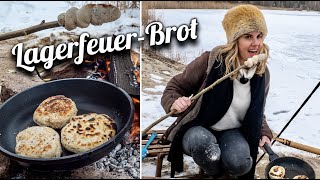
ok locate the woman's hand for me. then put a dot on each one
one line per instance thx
(181, 104)
(263, 140)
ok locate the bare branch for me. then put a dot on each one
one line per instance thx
(42, 26)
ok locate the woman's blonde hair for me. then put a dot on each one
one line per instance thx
(230, 55)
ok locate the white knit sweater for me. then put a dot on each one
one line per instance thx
(239, 105)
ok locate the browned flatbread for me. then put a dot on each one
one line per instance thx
(55, 112)
(301, 177)
(277, 172)
(87, 131)
(38, 142)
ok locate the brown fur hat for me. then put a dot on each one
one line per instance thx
(243, 19)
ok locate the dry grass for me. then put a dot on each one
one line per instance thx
(187, 5)
(148, 16)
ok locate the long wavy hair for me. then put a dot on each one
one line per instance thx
(229, 54)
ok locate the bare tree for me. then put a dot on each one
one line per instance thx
(134, 4)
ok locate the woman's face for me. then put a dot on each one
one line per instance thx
(249, 45)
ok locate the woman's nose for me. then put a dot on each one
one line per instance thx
(255, 42)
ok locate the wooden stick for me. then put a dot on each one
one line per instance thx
(193, 98)
(42, 26)
(298, 146)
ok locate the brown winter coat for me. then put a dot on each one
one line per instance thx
(192, 81)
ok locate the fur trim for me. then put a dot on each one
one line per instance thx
(243, 19)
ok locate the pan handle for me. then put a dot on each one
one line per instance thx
(272, 155)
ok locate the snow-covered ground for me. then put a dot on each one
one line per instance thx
(23, 14)
(293, 38)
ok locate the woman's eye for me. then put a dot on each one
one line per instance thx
(248, 37)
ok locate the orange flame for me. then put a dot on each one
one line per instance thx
(135, 60)
(137, 74)
(135, 101)
(135, 130)
(108, 62)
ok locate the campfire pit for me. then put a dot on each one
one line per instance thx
(120, 68)
(124, 160)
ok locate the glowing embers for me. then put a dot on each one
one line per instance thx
(135, 70)
(100, 66)
(135, 130)
(122, 70)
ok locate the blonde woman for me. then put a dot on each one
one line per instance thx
(223, 129)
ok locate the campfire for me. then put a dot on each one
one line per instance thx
(123, 70)
(119, 68)
(105, 68)
(136, 69)
(135, 131)
(135, 72)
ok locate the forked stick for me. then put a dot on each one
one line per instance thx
(23, 32)
(144, 132)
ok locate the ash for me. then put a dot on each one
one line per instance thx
(124, 158)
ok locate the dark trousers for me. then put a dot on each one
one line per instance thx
(225, 152)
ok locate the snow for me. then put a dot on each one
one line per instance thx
(151, 111)
(159, 88)
(156, 78)
(18, 15)
(153, 76)
(166, 72)
(293, 39)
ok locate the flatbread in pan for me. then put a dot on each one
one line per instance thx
(38, 142)
(277, 172)
(55, 112)
(103, 98)
(87, 131)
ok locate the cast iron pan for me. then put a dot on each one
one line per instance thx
(89, 95)
(293, 166)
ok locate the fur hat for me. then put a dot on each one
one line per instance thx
(243, 19)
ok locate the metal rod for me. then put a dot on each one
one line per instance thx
(304, 102)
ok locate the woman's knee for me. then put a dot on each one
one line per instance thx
(200, 133)
(235, 153)
(198, 136)
(208, 158)
(207, 153)
(237, 165)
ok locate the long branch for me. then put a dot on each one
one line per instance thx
(29, 30)
(144, 132)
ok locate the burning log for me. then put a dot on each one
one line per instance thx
(135, 130)
(122, 72)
